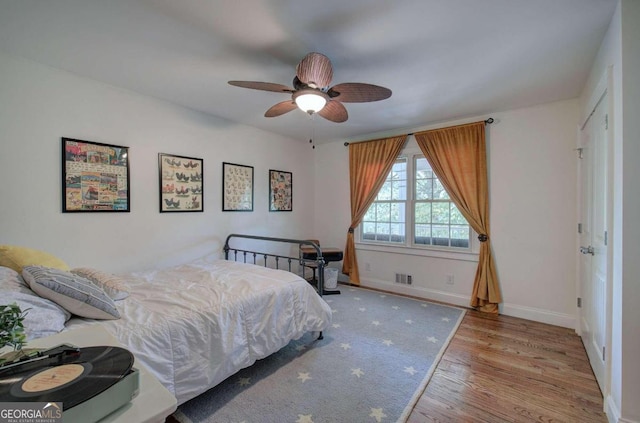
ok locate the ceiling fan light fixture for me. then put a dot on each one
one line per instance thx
(313, 94)
(310, 101)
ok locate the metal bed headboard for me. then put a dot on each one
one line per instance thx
(254, 256)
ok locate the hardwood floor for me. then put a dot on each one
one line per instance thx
(505, 369)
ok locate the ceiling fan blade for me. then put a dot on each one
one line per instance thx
(280, 108)
(315, 70)
(264, 86)
(334, 111)
(355, 92)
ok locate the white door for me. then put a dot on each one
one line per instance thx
(593, 238)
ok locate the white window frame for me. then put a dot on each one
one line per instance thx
(410, 153)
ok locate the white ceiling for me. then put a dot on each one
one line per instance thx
(443, 59)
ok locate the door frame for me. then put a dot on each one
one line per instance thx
(604, 86)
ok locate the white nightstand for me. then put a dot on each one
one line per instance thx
(152, 404)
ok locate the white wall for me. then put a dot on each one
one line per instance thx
(630, 346)
(39, 105)
(532, 182)
(619, 51)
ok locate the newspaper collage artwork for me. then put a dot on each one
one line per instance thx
(96, 177)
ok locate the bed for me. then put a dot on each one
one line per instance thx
(196, 324)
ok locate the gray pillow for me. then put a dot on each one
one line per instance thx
(75, 294)
(113, 285)
(43, 317)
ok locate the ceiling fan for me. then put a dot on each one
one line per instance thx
(312, 94)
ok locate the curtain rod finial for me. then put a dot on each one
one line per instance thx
(489, 121)
(346, 144)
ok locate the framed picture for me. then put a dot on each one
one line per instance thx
(237, 187)
(181, 183)
(95, 177)
(280, 190)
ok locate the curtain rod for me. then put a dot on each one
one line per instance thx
(487, 122)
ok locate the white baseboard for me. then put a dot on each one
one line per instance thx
(611, 410)
(524, 312)
(539, 315)
(428, 294)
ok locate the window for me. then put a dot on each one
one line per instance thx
(413, 209)
(385, 220)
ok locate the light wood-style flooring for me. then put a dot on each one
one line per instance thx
(505, 369)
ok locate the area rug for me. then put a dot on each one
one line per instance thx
(372, 366)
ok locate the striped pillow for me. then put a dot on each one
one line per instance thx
(75, 294)
(113, 285)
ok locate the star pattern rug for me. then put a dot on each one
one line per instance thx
(372, 366)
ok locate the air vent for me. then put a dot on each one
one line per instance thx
(403, 278)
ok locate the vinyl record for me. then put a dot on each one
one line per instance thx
(71, 376)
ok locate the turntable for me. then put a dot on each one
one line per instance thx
(90, 382)
(153, 403)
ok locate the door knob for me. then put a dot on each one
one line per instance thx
(587, 250)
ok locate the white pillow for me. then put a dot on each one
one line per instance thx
(43, 317)
(75, 294)
(113, 285)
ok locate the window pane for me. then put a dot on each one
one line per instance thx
(385, 192)
(440, 235)
(399, 190)
(441, 213)
(439, 192)
(398, 175)
(397, 212)
(368, 228)
(397, 228)
(423, 169)
(423, 189)
(371, 214)
(397, 232)
(400, 165)
(423, 234)
(456, 216)
(398, 178)
(460, 236)
(440, 231)
(423, 230)
(460, 232)
(383, 212)
(423, 213)
(382, 228)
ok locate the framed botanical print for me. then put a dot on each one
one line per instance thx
(280, 190)
(181, 183)
(95, 177)
(237, 187)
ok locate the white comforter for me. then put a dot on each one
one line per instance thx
(196, 324)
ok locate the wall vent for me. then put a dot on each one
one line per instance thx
(403, 278)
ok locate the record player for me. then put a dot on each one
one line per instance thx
(91, 382)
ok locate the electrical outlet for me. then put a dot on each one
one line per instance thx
(449, 279)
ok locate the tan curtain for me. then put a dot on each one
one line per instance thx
(369, 165)
(458, 157)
